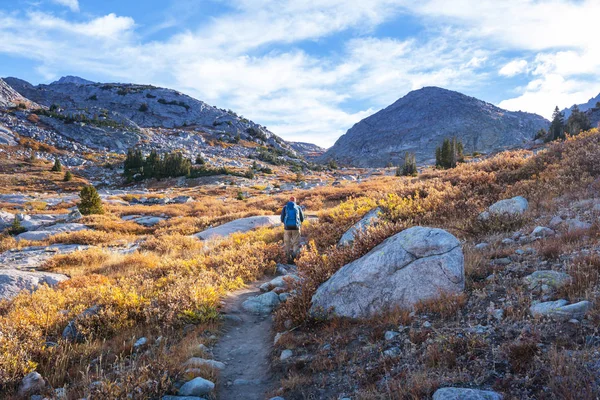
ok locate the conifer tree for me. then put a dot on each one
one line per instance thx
(578, 122)
(410, 166)
(557, 127)
(68, 176)
(90, 202)
(57, 167)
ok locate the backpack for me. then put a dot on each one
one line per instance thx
(292, 217)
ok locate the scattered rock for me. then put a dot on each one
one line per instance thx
(390, 335)
(576, 225)
(555, 222)
(71, 331)
(262, 304)
(285, 354)
(392, 352)
(465, 394)
(413, 265)
(197, 362)
(12, 281)
(52, 230)
(482, 246)
(560, 309)
(239, 225)
(279, 282)
(32, 384)
(370, 219)
(182, 398)
(508, 241)
(197, 387)
(140, 342)
(182, 199)
(542, 232)
(514, 207)
(547, 280)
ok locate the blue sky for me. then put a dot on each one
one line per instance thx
(310, 70)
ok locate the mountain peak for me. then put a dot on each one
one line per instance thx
(421, 120)
(72, 79)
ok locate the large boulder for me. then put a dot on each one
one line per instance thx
(52, 230)
(239, 225)
(197, 387)
(371, 218)
(514, 207)
(413, 265)
(12, 281)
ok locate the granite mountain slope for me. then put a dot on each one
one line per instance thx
(419, 121)
(130, 108)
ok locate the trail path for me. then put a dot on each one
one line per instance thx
(245, 347)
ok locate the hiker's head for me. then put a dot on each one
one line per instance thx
(293, 199)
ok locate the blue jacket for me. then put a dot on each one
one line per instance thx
(299, 213)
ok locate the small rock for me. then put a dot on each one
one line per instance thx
(577, 225)
(508, 241)
(556, 221)
(32, 383)
(198, 362)
(560, 309)
(285, 354)
(542, 232)
(262, 304)
(547, 280)
(390, 335)
(197, 387)
(502, 261)
(392, 352)
(426, 324)
(140, 342)
(465, 394)
(482, 246)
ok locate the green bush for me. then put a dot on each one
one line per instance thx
(143, 107)
(68, 176)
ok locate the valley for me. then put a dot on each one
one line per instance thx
(481, 279)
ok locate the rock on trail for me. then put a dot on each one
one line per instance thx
(245, 348)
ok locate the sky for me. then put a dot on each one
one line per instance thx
(310, 69)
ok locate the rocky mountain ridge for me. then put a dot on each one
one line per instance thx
(123, 111)
(419, 122)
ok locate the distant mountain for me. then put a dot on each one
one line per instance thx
(114, 113)
(308, 150)
(591, 110)
(583, 107)
(72, 79)
(419, 122)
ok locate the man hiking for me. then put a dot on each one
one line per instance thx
(291, 217)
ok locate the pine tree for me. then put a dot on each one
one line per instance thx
(557, 127)
(133, 163)
(68, 176)
(57, 167)
(449, 154)
(410, 166)
(578, 122)
(16, 227)
(151, 166)
(90, 201)
(200, 160)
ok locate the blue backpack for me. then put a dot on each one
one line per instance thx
(292, 217)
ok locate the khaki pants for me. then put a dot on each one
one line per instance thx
(291, 242)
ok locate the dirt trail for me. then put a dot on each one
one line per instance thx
(245, 347)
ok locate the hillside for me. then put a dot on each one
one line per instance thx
(135, 304)
(419, 122)
(130, 107)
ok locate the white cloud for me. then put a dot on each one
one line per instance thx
(513, 68)
(72, 4)
(247, 59)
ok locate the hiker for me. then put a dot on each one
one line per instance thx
(292, 218)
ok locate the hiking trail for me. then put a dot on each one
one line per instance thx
(245, 348)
